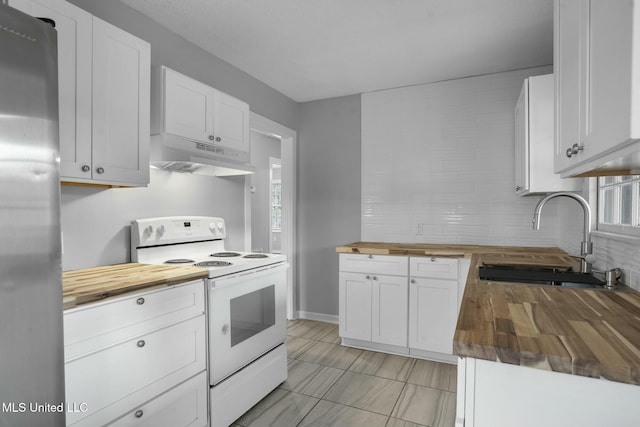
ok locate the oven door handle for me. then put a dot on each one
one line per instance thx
(267, 269)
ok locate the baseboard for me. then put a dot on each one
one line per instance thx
(321, 317)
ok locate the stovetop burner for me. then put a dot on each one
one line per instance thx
(179, 261)
(256, 256)
(225, 254)
(213, 264)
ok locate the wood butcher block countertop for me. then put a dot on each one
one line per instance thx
(593, 333)
(93, 284)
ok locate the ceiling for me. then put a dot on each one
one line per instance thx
(315, 49)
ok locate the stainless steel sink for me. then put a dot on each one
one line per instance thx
(540, 276)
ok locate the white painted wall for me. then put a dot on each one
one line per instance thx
(442, 155)
(96, 222)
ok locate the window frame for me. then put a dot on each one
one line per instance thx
(615, 185)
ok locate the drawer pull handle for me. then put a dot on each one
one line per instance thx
(139, 413)
(140, 301)
(141, 343)
(433, 259)
(370, 256)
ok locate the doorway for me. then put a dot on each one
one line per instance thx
(287, 137)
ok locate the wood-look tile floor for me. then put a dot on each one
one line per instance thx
(331, 385)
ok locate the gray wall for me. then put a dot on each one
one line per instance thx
(262, 147)
(328, 196)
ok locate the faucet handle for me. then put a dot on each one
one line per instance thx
(612, 277)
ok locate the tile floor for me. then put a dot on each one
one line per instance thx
(331, 385)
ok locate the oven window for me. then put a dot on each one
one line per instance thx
(252, 313)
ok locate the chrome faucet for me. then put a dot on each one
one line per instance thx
(586, 248)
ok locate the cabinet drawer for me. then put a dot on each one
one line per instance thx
(94, 326)
(182, 406)
(112, 381)
(438, 268)
(374, 264)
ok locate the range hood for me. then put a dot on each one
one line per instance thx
(176, 154)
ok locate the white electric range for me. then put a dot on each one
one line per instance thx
(246, 308)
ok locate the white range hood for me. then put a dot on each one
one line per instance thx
(180, 155)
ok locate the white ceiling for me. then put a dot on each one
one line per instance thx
(314, 49)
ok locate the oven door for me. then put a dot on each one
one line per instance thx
(247, 318)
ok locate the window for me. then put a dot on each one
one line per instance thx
(276, 206)
(619, 204)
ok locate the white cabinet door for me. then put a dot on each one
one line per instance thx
(522, 140)
(73, 26)
(355, 306)
(231, 122)
(188, 107)
(389, 309)
(183, 406)
(121, 87)
(433, 312)
(613, 75)
(534, 149)
(570, 38)
(596, 44)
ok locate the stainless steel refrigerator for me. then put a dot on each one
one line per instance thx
(31, 340)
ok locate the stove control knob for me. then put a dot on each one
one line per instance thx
(148, 230)
(212, 227)
(160, 230)
(220, 226)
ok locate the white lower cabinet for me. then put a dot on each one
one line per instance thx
(494, 394)
(433, 303)
(401, 304)
(433, 312)
(373, 305)
(144, 357)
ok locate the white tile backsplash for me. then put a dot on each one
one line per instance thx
(441, 155)
(438, 167)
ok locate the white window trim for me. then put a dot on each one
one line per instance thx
(625, 233)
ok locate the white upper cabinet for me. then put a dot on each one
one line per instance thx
(189, 109)
(103, 86)
(597, 46)
(121, 86)
(534, 114)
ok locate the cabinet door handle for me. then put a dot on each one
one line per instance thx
(225, 329)
(218, 139)
(574, 149)
(370, 256)
(367, 277)
(141, 343)
(413, 281)
(518, 188)
(139, 413)
(140, 301)
(375, 277)
(100, 170)
(85, 168)
(211, 137)
(433, 259)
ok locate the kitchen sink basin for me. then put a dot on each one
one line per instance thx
(540, 276)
